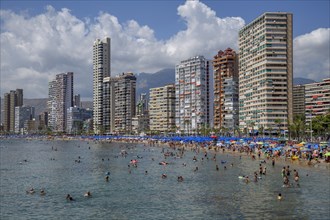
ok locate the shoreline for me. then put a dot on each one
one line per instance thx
(315, 164)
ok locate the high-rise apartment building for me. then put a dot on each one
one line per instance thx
(22, 115)
(162, 109)
(225, 74)
(11, 100)
(101, 70)
(317, 99)
(76, 101)
(298, 94)
(192, 95)
(119, 103)
(60, 98)
(265, 72)
(140, 122)
(43, 121)
(75, 119)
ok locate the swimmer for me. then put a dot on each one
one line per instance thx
(107, 178)
(88, 194)
(196, 169)
(42, 192)
(146, 172)
(164, 176)
(69, 197)
(279, 197)
(180, 178)
(31, 191)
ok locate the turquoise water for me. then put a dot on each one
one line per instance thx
(205, 194)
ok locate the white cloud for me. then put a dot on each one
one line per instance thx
(311, 54)
(35, 49)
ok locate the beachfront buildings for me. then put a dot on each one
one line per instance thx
(101, 70)
(162, 109)
(118, 103)
(23, 114)
(140, 122)
(265, 73)
(60, 98)
(76, 118)
(192, 110)
(298, 103)
(225, 84)
(11, 100)
(317, 99)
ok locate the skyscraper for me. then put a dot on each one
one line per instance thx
(119, 103)
(22, 115)
(11, 100)
(225, 73)
(265, 72)
(59, 100)
(298, 94)
(192, 95)
(162, 109)
(101, 70)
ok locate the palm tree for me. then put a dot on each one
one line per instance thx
(278, 122)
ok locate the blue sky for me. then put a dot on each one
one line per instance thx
(162, 16)
(40, 39)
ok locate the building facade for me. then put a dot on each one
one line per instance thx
(22, 115)
(43, 121)
(140, 123)
(162, 109)
(298, 100)
(75, 119)
(192, 95)
(317, 99)
(265, 72)
(76, 101)
(225, 74)
(119, 103)
(60, 98)
(101, 70)
(11, 100)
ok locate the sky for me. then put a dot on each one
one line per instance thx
(39, 39)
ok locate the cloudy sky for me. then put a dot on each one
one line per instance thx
(40, 39)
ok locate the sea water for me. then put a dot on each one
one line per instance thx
(130, 193)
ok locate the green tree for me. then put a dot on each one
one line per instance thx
(297, 128)
(321, 125)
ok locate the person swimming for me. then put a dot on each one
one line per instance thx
(69, 197)
(42, 192)
(30, 191)
(107, 178)
(180, 178)
(164, 176)
(88, 194)
(279, 197)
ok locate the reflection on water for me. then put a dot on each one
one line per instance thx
(204, 194)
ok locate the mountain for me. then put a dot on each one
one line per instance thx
(302, 81)
(145, 81)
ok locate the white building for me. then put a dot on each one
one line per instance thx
(192, 95)
(22, 115)
(60, 98)
(265, 72)
(101, 70)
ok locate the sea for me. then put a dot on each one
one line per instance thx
(62, 167)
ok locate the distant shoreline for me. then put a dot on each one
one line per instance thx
(319, 163)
